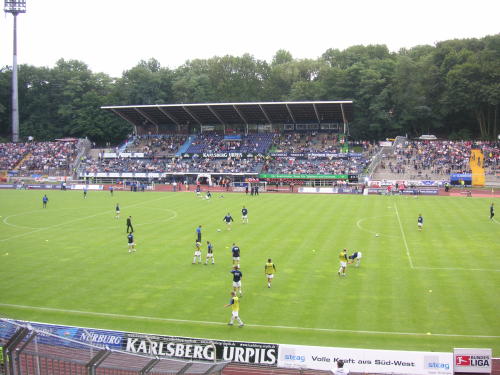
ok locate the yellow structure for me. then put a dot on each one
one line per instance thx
(476, 163)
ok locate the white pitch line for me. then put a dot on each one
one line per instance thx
(363, 219)
(456, 269)
(139, 317)
(404, 237)
(72, 221)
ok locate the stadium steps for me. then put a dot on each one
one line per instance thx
(21, 162)
(476, 163)
(186, 145)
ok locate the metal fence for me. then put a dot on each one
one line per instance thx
(31, 351)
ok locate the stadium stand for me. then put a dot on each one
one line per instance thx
(156, 144)
(252, 143)
(311, 166)
(436, 159)
(38, 157)
(11, 154)
(258, 145)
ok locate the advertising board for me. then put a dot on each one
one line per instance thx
(472, 360)
(184, 348)
(366, 360)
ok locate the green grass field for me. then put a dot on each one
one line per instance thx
(69, 264)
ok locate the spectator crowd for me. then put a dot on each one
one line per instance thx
(422, 159)
(37, 156)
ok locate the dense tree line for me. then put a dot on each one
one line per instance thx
(451, 89)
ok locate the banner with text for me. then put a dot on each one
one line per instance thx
(472, 360)
(307, 176)
(315, 155)
(183, 348)
(202, 350)
(366, 360)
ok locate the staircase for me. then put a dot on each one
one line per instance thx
(21, 162)
(186, 145)
(476, 163)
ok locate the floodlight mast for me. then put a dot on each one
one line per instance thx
(15, 7)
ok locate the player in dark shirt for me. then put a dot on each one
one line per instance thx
(356, 256)
(117, 211)
(237, 276)
(244, 215)
(45, 200)
(129, 224)
(236, 255)
(228, 218)
(198, 233)
(210, 253)
(85, 192)
(131, 243)
(420, 222)
(492, 211)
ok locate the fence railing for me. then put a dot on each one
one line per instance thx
(32, 351)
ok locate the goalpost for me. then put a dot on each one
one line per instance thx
(242, 186)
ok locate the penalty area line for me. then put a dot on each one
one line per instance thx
(334, 330)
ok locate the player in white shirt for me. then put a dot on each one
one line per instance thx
(197, 253)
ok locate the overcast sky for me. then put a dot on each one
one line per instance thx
(114, 35)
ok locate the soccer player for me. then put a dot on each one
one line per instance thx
(44, 201)
(236, 254)
(492, 211)
(198, 233)
(237, 276)
(420, 222)
(198, 191)
(228, 218)
(269, 270)
(235, 307)
(244, 215)
(210, 253)
(129, 224)
(209, 195)
(197, 252)
(111, 189)
(117, 211)
(343, 262)
(131, 243)
(356, 256)
(85, 192)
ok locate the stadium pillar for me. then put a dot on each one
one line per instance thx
(15, 7)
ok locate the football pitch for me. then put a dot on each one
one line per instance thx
(433, 290)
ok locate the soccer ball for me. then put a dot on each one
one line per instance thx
(218, 230)
(376, 235)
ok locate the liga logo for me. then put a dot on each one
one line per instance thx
(462, 360)
(472, 360)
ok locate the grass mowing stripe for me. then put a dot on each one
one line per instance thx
(403, 235)
(139, 317)
(69, 221)
(85, 266)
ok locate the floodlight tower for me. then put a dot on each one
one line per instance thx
(15, 7)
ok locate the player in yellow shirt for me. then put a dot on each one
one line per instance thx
(269, 270)
(343, 262)
(235, 307)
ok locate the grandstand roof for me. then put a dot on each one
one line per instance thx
(236, 113)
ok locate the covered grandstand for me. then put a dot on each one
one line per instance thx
(241, 117)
